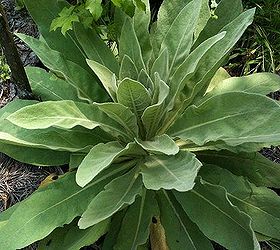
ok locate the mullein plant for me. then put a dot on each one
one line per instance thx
(162, 144)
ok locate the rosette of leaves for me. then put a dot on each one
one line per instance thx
(162, 143)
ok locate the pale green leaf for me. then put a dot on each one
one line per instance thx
(220, 75)
(118, 193)
(180, 231)
(258, 169)
(259, 83)
(135, 226)
(160, 144)
(179, 38)
(133, 95)
(86, 85)
(161, 65)
(170, 172)
(48, 87)
(203, 18)
(95, 8)
(234, 118)
(260, 203)
(128, 69)
(107, 77)
(129, 45)
(99, 158)
(34, 212)
(208, 206)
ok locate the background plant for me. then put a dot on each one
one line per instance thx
(146, 135)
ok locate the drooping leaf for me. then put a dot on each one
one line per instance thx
(48, 87)
(260, 203)
(222, 222)
(131, 47)
(99, 158)
(86, 85)
(255, 119)
(64, 114)
(135, 226)
(160, 144)
(259, 83)
(70, 237)
(118, 193)
(34, 212)
(170, 172)
(258, 169)
(95, 48)
(180, 231)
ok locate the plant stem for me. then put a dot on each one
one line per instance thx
(13, 59)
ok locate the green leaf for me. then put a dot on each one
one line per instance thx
(135, 227)
(153, 116)
(160, 144)
(255, 119)
(178, 39)
(118, 193)
(70, 237)
(220, 76)
(259, 83)
(170, 172)
(180, 231)
(65, 20)
(99, 158)
(203, 18)
(95, 8)
(49, 10)
(86, 85)
(214, 25)
(260, 203)
(258, 169)
(107, 77)
(48, 87)
(161, 65)
(126, 5)
(64, 114)
(129, 45)
(128, 69)
(95, 48)
(34, 212)
(133, 95)
(208, 206)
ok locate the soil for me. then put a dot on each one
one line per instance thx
(18, 180)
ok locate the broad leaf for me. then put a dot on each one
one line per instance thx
(86, 84)
(170, 172)
(63, 195)
(129, 45)
(135, 226)
(180, 231)
(258, 169)
(95, 48)
(118, 193)
(99, 158)
(203, 18)
(128, 69)
(64, 114)
(133, 95)
(49, 87)
(70, 237)
(260, 203)
(220, 75)
(160, 144)
(255, 119)
(259, 83)
(161, 66)
(222, 222)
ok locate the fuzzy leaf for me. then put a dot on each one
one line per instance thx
(118, 193)
(170, 172)
(128, 69)
(174, 219)
(222, 222)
